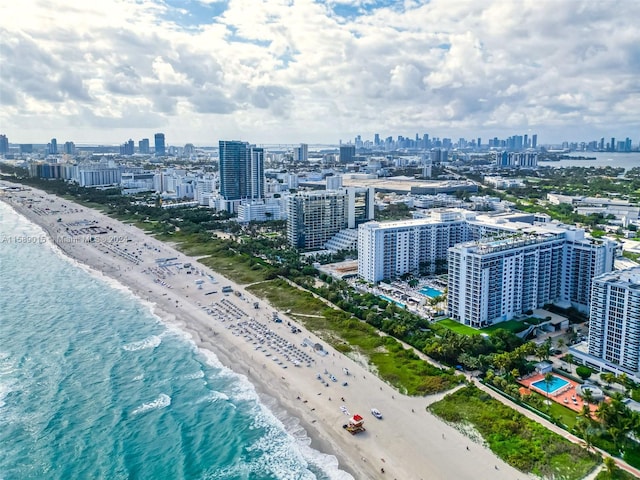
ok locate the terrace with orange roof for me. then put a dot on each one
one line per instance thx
(565, 395)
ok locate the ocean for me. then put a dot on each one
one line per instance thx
(94, 386)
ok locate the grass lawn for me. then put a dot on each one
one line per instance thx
(619, 474)
(556, 410)
(458, 327)
(513, 326)
(396, 365)
(519, 441)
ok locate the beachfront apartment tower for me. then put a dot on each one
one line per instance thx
(314, 217)
(614, 324)
(241, 173)
(498, 266)
(391, 249)
(493, 280)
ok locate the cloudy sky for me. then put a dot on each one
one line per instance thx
(287, 71)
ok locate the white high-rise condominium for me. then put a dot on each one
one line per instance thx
(614, 325)
(391, 249)
(496, 269)
(493, 280)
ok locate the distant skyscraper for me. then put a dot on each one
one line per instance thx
(189, 150)
(347, 152)
(376, 139)
(534, 140)
(301, 153)
(4, 144)
(69, 148)
(612, 146)
(241, 172)
(53, 147)
(127, 148)
(159, 144)
(143, 146)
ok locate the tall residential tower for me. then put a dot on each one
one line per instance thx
(241, 173)
(614, 325)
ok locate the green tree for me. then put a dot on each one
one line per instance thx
(584, 430)
(611, 466)
(587, 395)
(543, 351)
(608, 378)
(569, 359)
(548, 379)
(583, 372)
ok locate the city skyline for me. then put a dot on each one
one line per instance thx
(318, 72)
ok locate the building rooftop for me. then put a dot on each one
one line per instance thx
(624, 278)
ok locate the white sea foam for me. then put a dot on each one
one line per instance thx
(271, 447)
(214, 396)
(269, 414)
(150, 342)
(195, 376)
(162, 401)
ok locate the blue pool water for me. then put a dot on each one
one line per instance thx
(430, 292)
(555, 384)
(400, 304)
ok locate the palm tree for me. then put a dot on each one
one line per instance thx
(608, 378)
(624, 381)
(617, 435)
(548, 378)
(603, 413)
(585, 412)
(583, 429)
(587, 395)
(543, 351)
(560, 344)
(611, 466)
(569, 359)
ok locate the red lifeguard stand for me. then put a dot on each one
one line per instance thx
(355, 425)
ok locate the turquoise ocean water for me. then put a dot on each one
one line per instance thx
(94, 386)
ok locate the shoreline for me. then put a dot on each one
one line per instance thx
(409, 443)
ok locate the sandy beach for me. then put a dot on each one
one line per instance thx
(408, 442)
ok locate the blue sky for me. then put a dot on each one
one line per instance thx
(288, 71)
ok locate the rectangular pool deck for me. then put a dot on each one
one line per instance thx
(565, 395)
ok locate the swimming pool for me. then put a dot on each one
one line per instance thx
(430, 292)
(401, 305)
(556, 383)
